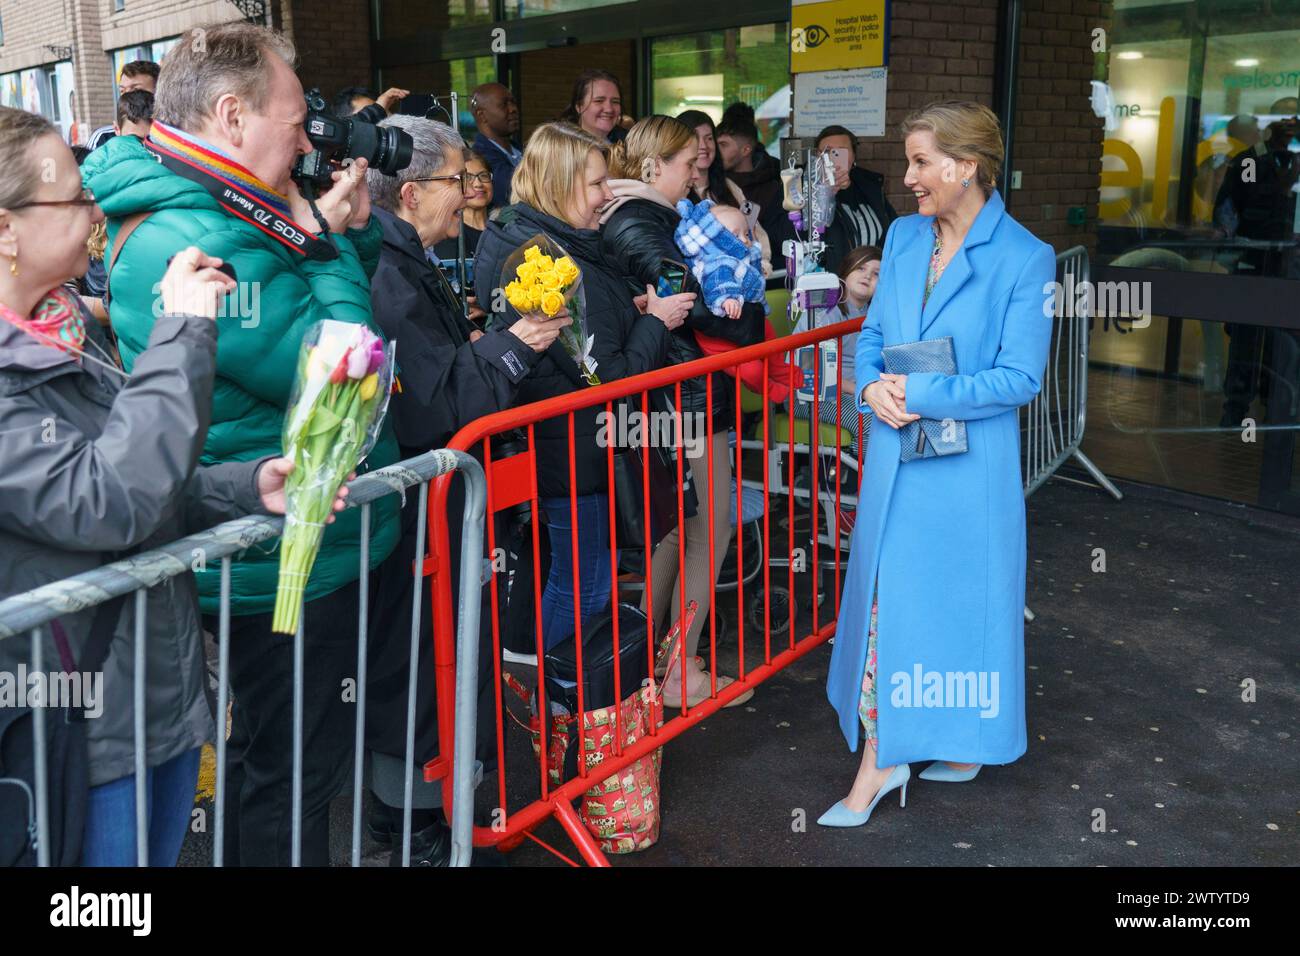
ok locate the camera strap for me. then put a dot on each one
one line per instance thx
(186, 158)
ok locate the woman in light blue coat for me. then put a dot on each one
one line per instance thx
(937, 565)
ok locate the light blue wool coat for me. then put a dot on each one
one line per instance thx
(947, 535)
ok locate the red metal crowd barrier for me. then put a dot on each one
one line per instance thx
(513, 481)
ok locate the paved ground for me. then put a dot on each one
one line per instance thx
(1135, 711)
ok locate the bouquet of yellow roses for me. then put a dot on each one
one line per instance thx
(540, 276)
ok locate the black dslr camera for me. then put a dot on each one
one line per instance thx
(337, 139)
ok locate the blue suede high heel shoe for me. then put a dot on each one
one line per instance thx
(841, 816)
(939, 770)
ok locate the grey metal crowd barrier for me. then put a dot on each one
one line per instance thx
(30, 612)
(1052, 425)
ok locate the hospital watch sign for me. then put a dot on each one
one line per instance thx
(838, 35)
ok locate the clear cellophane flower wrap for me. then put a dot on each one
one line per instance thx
(345, 374)
(539, 279)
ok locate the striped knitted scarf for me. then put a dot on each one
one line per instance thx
(212, 160)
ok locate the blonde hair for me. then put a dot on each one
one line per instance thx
(554, 162)
(963, 130)
(98, 241)
(655, 137)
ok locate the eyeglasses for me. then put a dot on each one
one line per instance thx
(483, 178)
(461, 177)
(87, 198)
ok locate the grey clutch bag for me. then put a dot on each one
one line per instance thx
(926, 437)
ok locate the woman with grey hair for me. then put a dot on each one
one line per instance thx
(450, 375)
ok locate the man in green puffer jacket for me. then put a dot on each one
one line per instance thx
(230, 112)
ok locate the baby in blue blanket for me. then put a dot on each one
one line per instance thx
(728, 264)
(722, 255)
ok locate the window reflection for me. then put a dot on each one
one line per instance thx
(1197, 406)
(707, 71)
(1201, 157)
(409, 17)
(518, 9)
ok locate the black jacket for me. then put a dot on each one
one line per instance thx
(446, 380)
(625, 342)
(1264, 203)
(862, 217)
(637, 238)
(450, 248)
(373, 114)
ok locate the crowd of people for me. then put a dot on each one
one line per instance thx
(162, 429)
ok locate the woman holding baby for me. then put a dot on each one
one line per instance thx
(652, 171)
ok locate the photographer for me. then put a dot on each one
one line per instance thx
(228, 128)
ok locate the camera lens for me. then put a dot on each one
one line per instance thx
(394, 151)
(385, 148)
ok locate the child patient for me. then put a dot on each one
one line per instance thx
(728, 264)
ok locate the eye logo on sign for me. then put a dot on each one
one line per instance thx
(815, 35)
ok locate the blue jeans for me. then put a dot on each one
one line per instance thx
(110, 814)
(593, 564)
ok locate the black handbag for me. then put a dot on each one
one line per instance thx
(66, 756)
(597, 670)
(629, 496)
(598, 661)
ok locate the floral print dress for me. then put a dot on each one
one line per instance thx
(867, 702)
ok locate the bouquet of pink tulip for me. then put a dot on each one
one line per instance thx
(345, 373)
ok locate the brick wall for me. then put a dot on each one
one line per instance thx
(143, 21)
(546, 78)
(1058, 146)
(948, 49)
(28, 27)
(140, 22)
(92, 69)
(333, 42)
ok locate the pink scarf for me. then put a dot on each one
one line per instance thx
(625, 189)
(56, 321)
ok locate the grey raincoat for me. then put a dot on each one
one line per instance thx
(92, 465)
